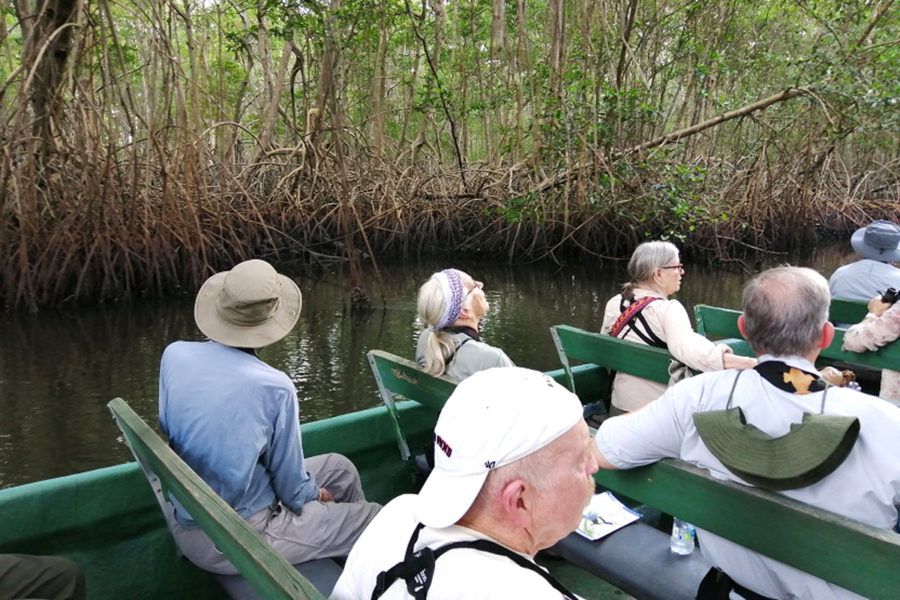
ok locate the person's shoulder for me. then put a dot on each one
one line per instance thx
(614, 301)
(669, 308)
(865, 406)
(481, 346)
(844, 268)
(182, 348)
(469, 573)
(395, 516)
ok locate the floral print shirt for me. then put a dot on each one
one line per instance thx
(872, 333)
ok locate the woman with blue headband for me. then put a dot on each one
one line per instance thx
(452, 304)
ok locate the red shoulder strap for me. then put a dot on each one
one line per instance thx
(630, 312)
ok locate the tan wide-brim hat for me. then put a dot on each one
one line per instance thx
(250, 306)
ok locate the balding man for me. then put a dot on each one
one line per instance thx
(513, 471)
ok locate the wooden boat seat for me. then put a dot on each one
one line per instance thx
(721, 324)
(850, 554)
(844, 310)
(637, 559)
(402, 379)
(398, 377)
(323, 573)
(609, 353)
(264, 569)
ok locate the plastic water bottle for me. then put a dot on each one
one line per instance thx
(682, 541)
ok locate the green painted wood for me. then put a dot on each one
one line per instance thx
(848, 553)
(108, 520)
(843, 310)
(398, 377)
(886, 357)
(717, 323)
(613, 354)
(722, 323)
(264, 568)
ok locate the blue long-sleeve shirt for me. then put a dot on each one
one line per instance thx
(235, 421)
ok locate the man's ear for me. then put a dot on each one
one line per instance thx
(516, 502)
(741, 326)
(827, 335)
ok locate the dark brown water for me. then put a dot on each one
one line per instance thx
(59, 369)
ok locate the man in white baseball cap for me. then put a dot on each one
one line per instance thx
(234, 420)
(514, 465)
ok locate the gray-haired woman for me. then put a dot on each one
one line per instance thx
(451, 303)
(643, 313)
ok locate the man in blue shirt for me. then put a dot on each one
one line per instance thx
(879, 246)
(235, 421)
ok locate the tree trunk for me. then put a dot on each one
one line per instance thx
(47, 31)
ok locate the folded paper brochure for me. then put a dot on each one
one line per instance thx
(603, 515)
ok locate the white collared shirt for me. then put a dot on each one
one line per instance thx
(865, 487)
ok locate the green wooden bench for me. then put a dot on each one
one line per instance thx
(844, 310)
(400, 378)
(609, 353)
(267, 572)
(850, 554)
(397, 376)
(721, 323)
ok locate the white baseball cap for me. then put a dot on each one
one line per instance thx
(493, 418)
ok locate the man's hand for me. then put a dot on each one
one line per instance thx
(325, 495)
(832, 376)
(877, 307)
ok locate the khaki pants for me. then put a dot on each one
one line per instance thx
(321, 530)
(50, 577)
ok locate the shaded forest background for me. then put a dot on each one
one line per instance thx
(145, 144)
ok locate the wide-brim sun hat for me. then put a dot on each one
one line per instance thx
(879, 240)
(812, 449)
(250, 306)
(493, 418)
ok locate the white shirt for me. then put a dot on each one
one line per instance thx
(865, 487)
(461, 573)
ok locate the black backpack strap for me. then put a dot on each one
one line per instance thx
(649, 338)
(456, 351)
(417, 568)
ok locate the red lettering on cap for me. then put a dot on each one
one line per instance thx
(444, 446)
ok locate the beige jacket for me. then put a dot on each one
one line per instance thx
(669, 321)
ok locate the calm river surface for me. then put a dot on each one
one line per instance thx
(59, 369)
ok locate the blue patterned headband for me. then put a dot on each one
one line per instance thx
(452, 289)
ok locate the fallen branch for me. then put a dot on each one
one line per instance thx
(675, 136)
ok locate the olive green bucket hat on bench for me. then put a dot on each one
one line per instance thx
(811, 450)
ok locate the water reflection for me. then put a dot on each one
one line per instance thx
(59, 369)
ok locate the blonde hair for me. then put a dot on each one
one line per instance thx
(439, 346)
